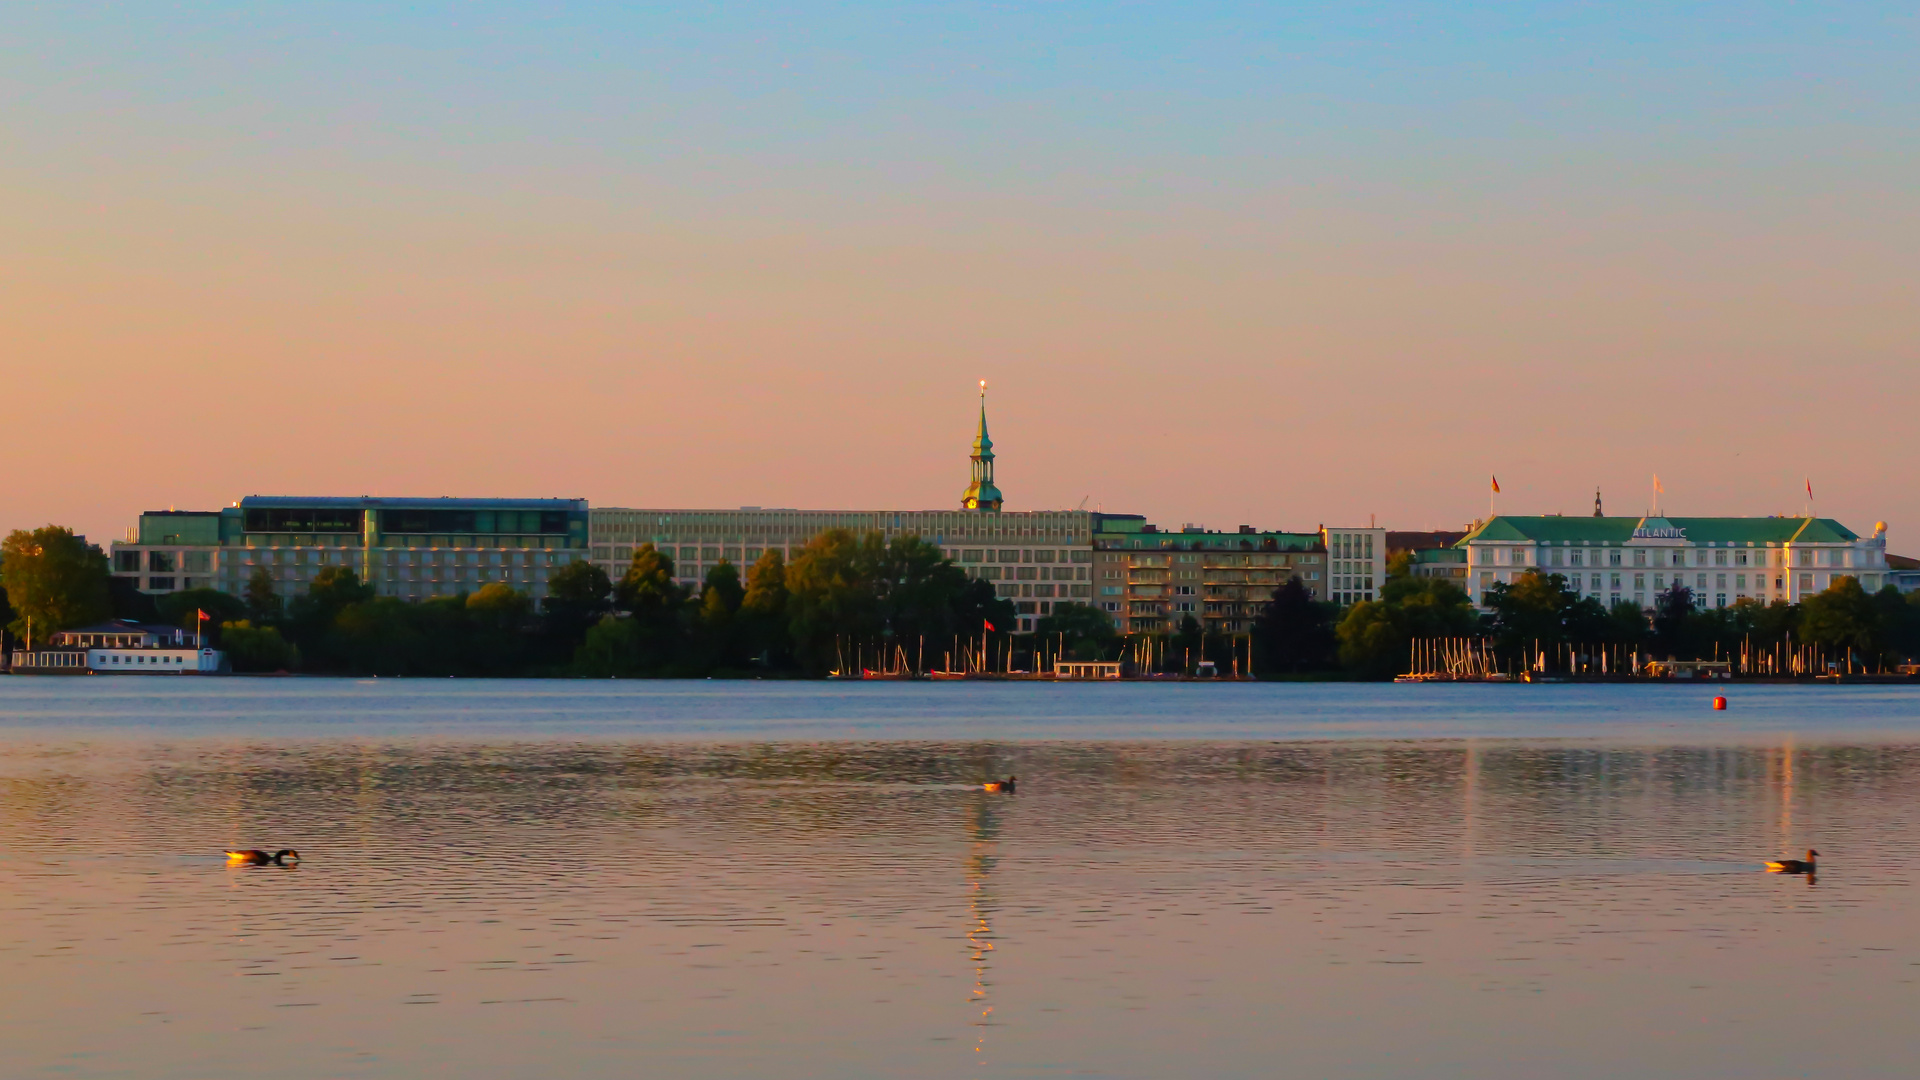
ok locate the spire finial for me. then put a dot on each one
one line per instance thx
(981, 494)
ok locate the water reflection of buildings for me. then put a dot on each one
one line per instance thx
(983, 829)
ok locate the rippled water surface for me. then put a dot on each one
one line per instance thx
(566, 879)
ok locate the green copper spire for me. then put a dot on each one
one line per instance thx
(981, 494)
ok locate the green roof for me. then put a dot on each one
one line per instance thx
(1704, 530)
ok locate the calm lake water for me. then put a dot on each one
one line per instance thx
(523, 879)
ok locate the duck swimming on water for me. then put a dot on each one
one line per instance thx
(252, 857)
(1005, 786)
(1793, 866)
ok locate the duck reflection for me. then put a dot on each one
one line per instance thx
(983, 830)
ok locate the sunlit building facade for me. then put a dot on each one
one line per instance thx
(1722, 560)
(412, 549)
(1034, 558)
(1149, 580)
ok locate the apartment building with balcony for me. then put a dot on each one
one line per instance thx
(1149, 580)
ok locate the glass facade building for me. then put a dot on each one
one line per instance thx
(407, 548)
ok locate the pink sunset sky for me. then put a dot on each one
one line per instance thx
(1227, 270)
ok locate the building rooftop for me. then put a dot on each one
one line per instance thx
(1398, 540)
(1620, 530)
(371, 502)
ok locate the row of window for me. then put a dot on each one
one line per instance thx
(1350, 545)
(1676, 557)
(1011, 589)
(1029, 573)
(635, 527)
(163, 659)
(1208, 561)
(1615, 582)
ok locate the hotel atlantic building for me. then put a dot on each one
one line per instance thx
(1723, 560)
(413, 549)
(1034, 558)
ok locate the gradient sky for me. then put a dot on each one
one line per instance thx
(1222, 263)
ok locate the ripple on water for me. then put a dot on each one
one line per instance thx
(472, 907)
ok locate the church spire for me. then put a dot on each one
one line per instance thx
(1596, 503)
(981, 494)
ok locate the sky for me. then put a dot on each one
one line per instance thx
(1278, 265)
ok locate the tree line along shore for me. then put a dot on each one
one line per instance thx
(848, 601)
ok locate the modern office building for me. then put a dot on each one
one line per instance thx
(407, 548)
(1723, 560)
(1148, 580)
(1034, 558)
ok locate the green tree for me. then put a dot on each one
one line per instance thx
(1900, 619)
(311, 616)
(252, 648)
(1844, 619)
(1541, 611)
(1399, 565)
(656, 603)
(578, 594)
(719, 633)
(55, 580)
(1185, 647)
(578, 590)
(183, 609)
(1294, 632)
(763, 610)
(611, 648)
(1626, 626)
(1084, 630)
(382, 636)
(979, 608)
(847, 591)
(1373, 642)
(262, 600)
(1376, 635)
(1675, 630)
(502, 604)
(830, 596)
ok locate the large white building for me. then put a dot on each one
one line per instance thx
(1723, 560)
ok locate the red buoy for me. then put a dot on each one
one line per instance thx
(1720, 703)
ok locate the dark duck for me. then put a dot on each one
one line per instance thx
(1793, 866)
(1006, 786)
(252, 857)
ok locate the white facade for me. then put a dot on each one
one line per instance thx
(1761, 559)
(1356, 563)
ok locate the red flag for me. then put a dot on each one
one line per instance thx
(1809, 487)
(1496, 485)
(989, 625)
(203, 615)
